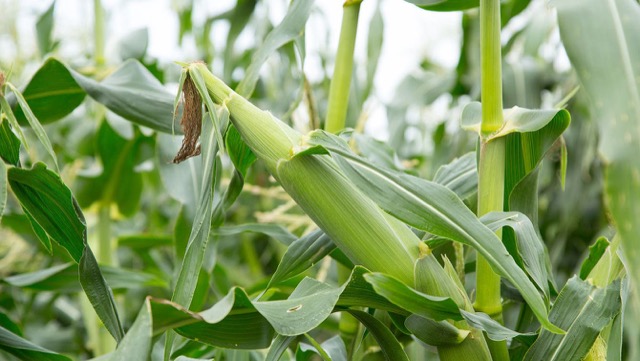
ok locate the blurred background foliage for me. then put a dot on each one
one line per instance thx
(121, 174)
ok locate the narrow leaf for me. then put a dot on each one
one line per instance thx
(435, 209)
(35, 124)
(583, 310)
(608, 70)
(435, 333)
(302, 254)
(391, 349)
(47, 199)
(25, 350)
(291, 27)
(437, 308)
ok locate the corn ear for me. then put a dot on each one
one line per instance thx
(357, 225)
(267, 136)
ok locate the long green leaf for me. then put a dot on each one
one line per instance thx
(494, 329)
(302, 254)
(52, 93)
(435, 333)
(50, 203)
(64, 278)
(437, 308)
(389, 345)
(25, 350)
(35, 124)
(3, 188)
(9, 143)
(609, 71)
(531, 249)
(583, 310)
(435, 209)
(291, 27)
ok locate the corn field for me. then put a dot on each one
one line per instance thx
(231, 205)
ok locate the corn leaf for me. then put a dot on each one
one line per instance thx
(64, 278)
(9, 143)
(531, 250)
(307, 306)
(433, 208)
(278, 347)
(25, 350)
(302, 254)
(3, 187)
(461, 175)
(291, 27)
(119, 182)
(435, 333)
(52, 93)
(274, 231)
(137, 343)
(583, 310)
(494, 329)
(445, 5)
(609, 70)
(391, 349)
(199, 237)
(44, 27)
(35, 124)
(47, 199)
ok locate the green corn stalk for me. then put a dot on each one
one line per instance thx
(365, 233)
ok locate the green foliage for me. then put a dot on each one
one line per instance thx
(284, 244)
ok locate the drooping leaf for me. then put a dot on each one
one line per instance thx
(389, 345)
(64, 278)
(55, 211)
(437, 308)
(133, 93)
(291, 27)
(274, 231)
(531, 249)
(494, 329)
(433, 208)
(47, 199)
(307, 306)
(52, 93)
(302, 254)
(608, 70)
(435, 333)
(25, 350)
(583, 310)
(461, 175)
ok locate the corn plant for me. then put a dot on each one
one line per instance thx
(237, 233)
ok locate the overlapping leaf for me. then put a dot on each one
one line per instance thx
(609, 70)
(50, 203)
(433, 208)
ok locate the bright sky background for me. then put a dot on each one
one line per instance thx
(410, 33)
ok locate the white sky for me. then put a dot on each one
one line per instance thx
(410, 33)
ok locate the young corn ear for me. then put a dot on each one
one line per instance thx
(355, 223)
